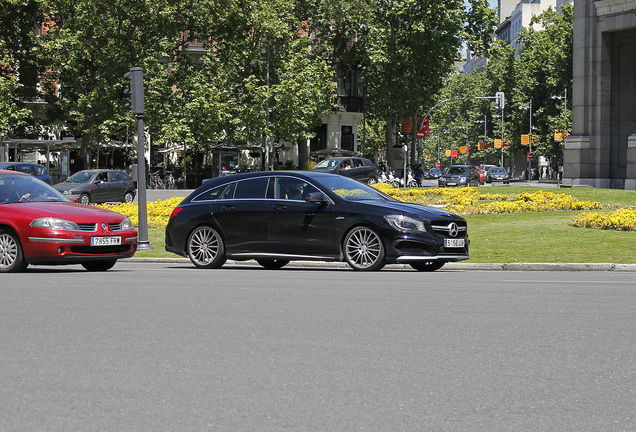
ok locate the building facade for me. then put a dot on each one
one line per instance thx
(601, 151)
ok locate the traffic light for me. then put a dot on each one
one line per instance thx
(135, 90)
(500, 100)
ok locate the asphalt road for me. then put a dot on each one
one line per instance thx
(167, 347)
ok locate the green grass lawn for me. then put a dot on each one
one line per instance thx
(527, 237)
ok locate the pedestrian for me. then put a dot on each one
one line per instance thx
(560, 172)
(133, 172)
(417, 174)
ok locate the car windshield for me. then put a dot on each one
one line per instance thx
(455, 170)
(80, 177)
(25, 188)
(497, 171)
(327, 163)
(352, 190)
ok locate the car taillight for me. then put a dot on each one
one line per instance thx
(175, 212)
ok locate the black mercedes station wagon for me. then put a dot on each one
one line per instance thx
(275, 217)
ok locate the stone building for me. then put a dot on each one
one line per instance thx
(601, 150)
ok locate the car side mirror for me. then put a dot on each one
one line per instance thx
(318, 197)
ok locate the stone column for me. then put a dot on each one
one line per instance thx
(630, 181)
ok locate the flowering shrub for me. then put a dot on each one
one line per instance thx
(458, 200)
(471, 201)
(158, 211)
(623, 219)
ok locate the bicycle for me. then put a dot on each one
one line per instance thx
(156, 182)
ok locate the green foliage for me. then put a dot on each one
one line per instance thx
(540, 70)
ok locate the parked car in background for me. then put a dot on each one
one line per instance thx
(360, 169)
(486, 167)
(98, 186)
(497, 174)
(275, 217)
(38, 225)
(433, 174)
(460, 175)
(33, 169)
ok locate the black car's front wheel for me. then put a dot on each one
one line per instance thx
(427, 266)
(129, 197)
(84, 199)
(205, 248)
(363, 249)
(272, 264)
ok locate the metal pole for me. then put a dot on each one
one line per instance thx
(142, 243)
(530, 143)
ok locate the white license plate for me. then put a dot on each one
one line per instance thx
(105, 241)
(451, 184)
(454, 243)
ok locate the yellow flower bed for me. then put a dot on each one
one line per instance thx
(158, 211)
(623, 219)
(458, 200)
(470, 201)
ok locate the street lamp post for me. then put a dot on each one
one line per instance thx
(529, 106)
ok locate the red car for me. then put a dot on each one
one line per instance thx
(38, 225)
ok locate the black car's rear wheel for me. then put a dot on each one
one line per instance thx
(363, 249)
(11, 256)
(272, 264)
(427, 266)
(102, 265)
(206, 248)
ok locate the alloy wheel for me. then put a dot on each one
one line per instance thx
(364, 250)
(205, 248)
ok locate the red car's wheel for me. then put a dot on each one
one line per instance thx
(11, 256)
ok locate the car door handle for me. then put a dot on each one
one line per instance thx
(279, 207)
(228, 207)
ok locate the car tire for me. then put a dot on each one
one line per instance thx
(84, 199)
(11, 255)
(99, 266)
(427, 266)
(371, 181)
(205, 248)
(272, 264)
(129, 197)
(363, 249)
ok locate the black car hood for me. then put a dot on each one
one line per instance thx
(68, 186)
(414, 209)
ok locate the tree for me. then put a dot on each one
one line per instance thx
(540, 70)
(10, 112)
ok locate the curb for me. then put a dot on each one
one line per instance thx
(458, 266)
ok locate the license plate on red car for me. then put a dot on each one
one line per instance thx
(454, 243)
(105, 241)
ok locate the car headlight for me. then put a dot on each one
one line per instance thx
(405, 223)
(54, 224)
(126, 224)
(462, 179)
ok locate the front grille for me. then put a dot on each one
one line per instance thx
(115, 226)
(99, 250)
(445, 230)
(88, 227)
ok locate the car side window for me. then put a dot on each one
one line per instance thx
(24, 168)
(292, 188)
(116, 177)
(252, 188)
(223, 192)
